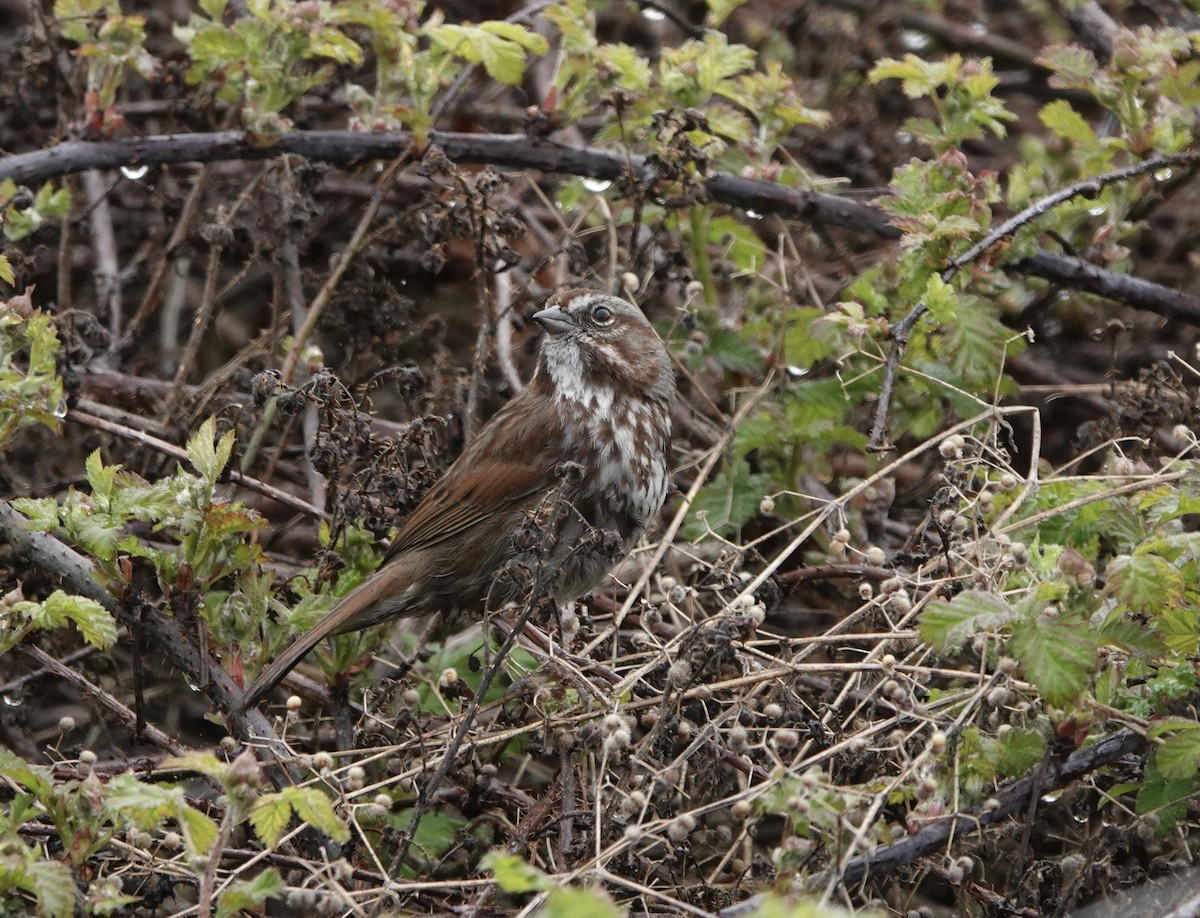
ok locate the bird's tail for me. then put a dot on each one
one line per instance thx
(366, 606)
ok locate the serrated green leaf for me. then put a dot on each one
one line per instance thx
(314, 808)
(728, 501)
(1061, 118)
(719, 10)
(54, 887)
(37, 779)
(1057, 654)
(940, 299)
(1167, 797)
(270, 816)
(514, 875)
(739, 243)
(518, 34)
(97, 537)
(94, 622)
(733, 352)
(42, 512)
(199, 832)
(130, 801)
(1018, 751)
(1145, 583)
(204, 763)
(437, 833)
(201, 452)
(1178, 756)
(947, 626)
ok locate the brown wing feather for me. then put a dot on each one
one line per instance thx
(472, 490)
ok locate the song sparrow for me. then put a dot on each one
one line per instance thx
(600, 398)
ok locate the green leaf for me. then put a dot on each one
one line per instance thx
(204, 763)
(1018, 751)
(947, 626)
(500, 47)
(574, 902)
(514, 875)
(437, 833)
(97, 536)
(94, 622)
(270, 816)
(314, 808)
(1168, 797)
(130, 801)
(1064, 121)
(54, 887)
(199, 832)
(1057, 654)
(209, 458)
(36, 779)
(1178, 756)
(100, 477)
(940, 299)
(728, 501)
(734, 352)
(1145, 583)
(719, 10)
(250, 895)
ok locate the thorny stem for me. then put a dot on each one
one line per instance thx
(1089, 187)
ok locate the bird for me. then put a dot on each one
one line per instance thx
(599, 403)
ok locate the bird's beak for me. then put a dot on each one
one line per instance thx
(554, 320)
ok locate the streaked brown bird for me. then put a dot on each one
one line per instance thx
(601, 399)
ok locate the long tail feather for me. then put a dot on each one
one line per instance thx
(375, 601)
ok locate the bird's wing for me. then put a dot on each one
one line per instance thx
(502, 469)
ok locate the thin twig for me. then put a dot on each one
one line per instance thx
(170, 449)
(105, 699)
(104, 245)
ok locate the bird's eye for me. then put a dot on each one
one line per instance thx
(602, 315)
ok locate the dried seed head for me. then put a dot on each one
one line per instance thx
(681, 827)
(786, 740)
(680, 674)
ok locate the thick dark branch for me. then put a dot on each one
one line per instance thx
(517, 151)
(1011, 798)
(165, 633)
(1124, 288)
